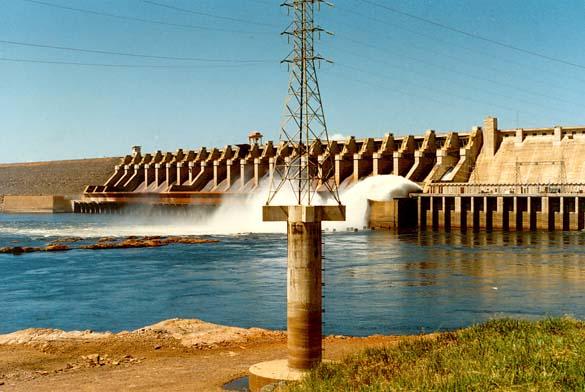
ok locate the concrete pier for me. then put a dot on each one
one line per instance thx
(382, 160)
(304, 324)
(526, 212)
(304, 291)
(344, 161)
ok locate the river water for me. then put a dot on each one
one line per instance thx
(376, 282)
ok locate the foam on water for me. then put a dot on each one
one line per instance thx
(229, 219)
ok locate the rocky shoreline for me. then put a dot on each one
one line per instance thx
(132, 242)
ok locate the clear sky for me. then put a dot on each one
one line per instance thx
(392, 72)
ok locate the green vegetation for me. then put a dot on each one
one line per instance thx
(504, 355)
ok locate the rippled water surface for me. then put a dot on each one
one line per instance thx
(376, 282)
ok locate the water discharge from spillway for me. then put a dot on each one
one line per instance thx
(247, 218)
(230, 218)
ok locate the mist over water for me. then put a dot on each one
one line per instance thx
(229, 219)
(247, 218)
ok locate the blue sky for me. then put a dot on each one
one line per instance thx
(392, 73)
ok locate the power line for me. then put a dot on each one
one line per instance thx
(251, 22)
(453, 71)
(475, 50)
(475, 36)
(426, 87)
(400, 92)
(142, 20)
(98, 51)
(165, 66)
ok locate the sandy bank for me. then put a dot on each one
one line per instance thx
(173, 355)
(190, 333)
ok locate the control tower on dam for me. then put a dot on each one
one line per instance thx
(482, 178)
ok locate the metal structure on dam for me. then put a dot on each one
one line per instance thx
(485, 178)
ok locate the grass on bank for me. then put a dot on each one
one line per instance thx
(506, 355)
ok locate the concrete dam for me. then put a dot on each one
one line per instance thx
(484, 178)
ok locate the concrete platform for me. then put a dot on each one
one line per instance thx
(266, 373)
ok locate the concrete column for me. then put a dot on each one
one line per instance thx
(219, 172)
(513, 215)
(491, 136)
(362, 161)
(498, 216)
(573, 216)
(542, 217)
(304, 318)
(402, 163)
(444, 214)
(519, 136)
(382, 160)
(558, 136)
(233, 171)
(182, 172)
(529, 223)
(456, 215)
(471, 214)
(171, 174)
(362, 166)
(560, 217)
(421, 213)
(246, 171)
(432, 214)
(381, 164)
(304, 291)
(579, 213)
(149, 173)
(260, 169)
(343, 168)
(159, 173)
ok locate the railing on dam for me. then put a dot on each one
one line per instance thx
(444, 188)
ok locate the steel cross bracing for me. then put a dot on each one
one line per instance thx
(311, 166)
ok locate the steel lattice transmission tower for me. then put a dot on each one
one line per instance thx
(304, 133)
(303, 128)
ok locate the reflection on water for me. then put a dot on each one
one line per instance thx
(376, 282)
(429, 281)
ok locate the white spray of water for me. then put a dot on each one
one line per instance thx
(230, 218)
(376, 188)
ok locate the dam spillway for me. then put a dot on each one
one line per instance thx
(484, 178)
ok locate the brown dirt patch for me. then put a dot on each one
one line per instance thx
(174, 355)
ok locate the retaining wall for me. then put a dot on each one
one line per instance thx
(36, 204)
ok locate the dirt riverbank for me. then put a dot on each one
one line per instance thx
(174, 355)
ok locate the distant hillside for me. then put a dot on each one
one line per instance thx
(54, 177)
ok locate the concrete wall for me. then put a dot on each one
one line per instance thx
(533, 156)
(36, 204)
(400, 213)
